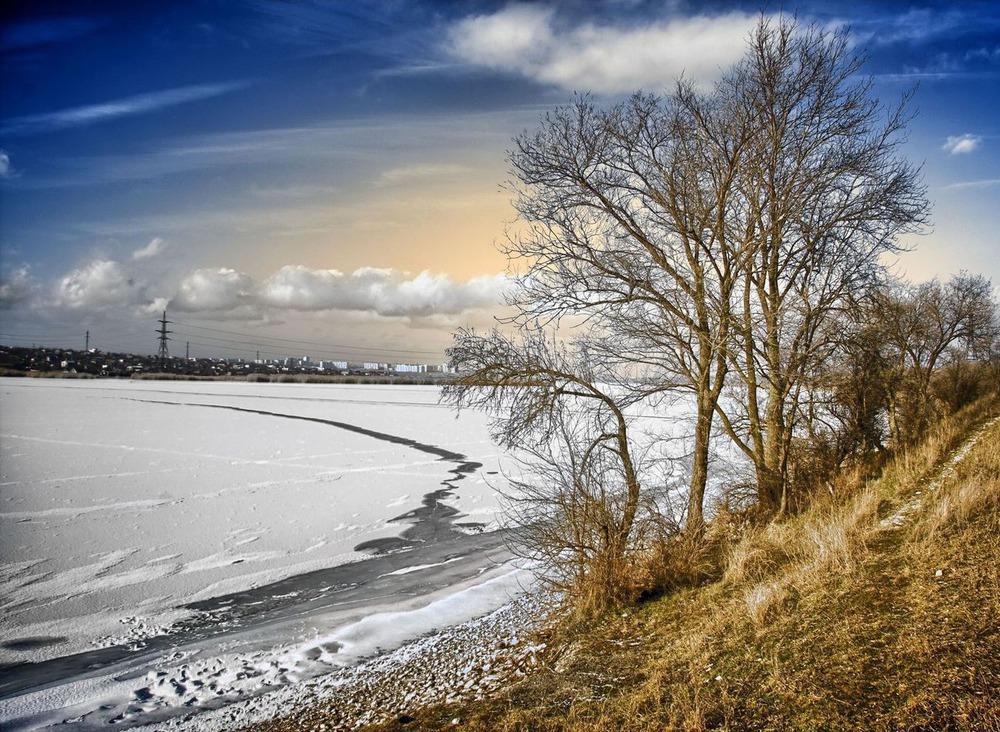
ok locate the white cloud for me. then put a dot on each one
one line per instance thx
(103, 285)
(383, 291)
(150, 250)
(16, 287)
(517, 38)
(960, 144)
(527, 40)
(156, 306)
(5, 171)
(300, 288)
(214, 289)
(98, 285)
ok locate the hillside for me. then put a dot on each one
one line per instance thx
(878, 609)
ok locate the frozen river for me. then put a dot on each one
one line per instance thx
(146, 522)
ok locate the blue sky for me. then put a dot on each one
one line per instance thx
(323, 178)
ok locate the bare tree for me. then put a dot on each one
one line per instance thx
(696, 242)
(823, 196)
(920, 329)
(626, 208)
(581, 510)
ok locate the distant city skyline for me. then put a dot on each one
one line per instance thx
(320, 173)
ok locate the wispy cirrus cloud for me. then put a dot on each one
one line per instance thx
(154, 248)
(962, 144)
(327, 147)
(531, 41)
(914, 26)
(420, 172)
(128, 106)
(45, 31)
(972, 184)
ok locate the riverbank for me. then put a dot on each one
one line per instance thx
(877, 609)
(463, 662)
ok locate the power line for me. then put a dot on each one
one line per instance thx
(273, 346)
(333, 347)
(228, 348)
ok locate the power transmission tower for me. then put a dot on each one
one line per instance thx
(164, 353)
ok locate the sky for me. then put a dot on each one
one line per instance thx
(326, 179)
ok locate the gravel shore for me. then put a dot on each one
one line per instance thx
(457, 663)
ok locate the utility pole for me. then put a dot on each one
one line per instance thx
(164, 353)
(87, 347)
(187, 350)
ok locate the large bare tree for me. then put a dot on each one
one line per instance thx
(695, 242)
(625, 212)
(823, 197)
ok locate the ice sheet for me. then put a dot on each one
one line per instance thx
(121, 500)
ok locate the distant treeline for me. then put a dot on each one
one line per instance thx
(423, 380)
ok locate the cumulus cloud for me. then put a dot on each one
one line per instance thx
(15, 287)
(155, 306)
(5, 169)
(150, 250)
(528, 40)
(383, 291)
(215, 289)
(101, 284)
(959, 144)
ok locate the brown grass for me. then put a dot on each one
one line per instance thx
(835, 619)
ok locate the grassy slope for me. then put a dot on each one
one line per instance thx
(837, 619)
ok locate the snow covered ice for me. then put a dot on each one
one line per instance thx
(128, 508)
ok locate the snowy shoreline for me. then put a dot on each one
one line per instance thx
(453, 661)
(239, 681)
(142, 583)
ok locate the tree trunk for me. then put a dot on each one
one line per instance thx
(699, 469)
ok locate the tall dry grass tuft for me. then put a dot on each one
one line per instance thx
(675, 561)
(831, 536)
(765, 600)
(759, 554)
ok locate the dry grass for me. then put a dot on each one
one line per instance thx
(835, 619)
